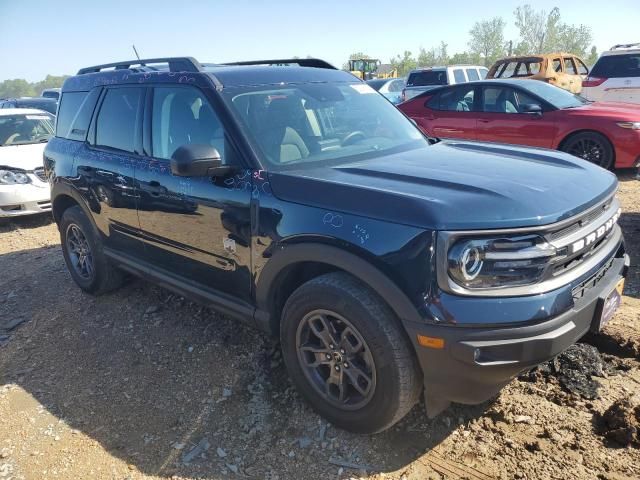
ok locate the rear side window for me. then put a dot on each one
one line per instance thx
(118, 119)
(67, 111)
(454, 100)
(617, 66)
(472, 74)
(557, 65)
(483, 73)
(426, 78)
(458, 75)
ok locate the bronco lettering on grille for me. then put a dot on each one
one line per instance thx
(596, 234)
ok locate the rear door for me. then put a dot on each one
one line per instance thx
(572, 77)
(105, 164)
(198, 228)
(615, 78)
(450, 114)
(502, 118)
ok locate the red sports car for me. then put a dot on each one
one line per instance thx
(530, 112)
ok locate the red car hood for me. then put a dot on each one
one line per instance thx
(616, 110)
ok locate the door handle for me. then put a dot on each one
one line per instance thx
(484, 120)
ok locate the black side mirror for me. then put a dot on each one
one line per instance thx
(198, 160)
(532, 108)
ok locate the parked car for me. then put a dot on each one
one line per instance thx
(528, 112)
(616, 76)
(391, 88)
(51, 93)
(23, 186)
(318, 212)
(45, 104)
(563, 70)
(424, 79)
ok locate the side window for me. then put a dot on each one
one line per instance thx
(525, 99)
(582, 68)
(472, 74)
(483, 73)
(118, 119)
(569, 67)
(508, 70)
(557, 65)
(182, 116)
(458, 75)
(499, 100)
(396, 86)
(454, 100)
(74, 114)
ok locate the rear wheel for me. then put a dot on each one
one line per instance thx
(591, 146)
(83, 254)
(348, 355)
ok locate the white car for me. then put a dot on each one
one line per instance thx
(616, 76)
(24, 189)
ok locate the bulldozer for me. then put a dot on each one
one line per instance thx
(371, 68)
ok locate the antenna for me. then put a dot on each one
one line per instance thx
(136, 52)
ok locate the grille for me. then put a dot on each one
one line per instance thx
(582, 220)
(39, 172)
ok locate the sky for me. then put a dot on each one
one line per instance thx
(39, 37)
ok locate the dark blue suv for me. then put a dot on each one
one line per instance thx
(293, 197)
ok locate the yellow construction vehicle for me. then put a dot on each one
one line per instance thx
(370, 68)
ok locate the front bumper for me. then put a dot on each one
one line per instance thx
(27, 199)
(476, 362)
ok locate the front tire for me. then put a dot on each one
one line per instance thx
(83, 253)
(347, 354)
(591, 146)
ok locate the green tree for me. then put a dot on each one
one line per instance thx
(465, 57)
(404, 63)
(17, 88)
(593, 57)
(487, 39)
(545, 33)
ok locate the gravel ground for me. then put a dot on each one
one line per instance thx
(143, 384)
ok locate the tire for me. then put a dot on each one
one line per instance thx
(591, 146)
(95, 274)
(359, 321)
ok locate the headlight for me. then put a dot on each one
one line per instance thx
(13, 177)
(498, 262)
(629, 125)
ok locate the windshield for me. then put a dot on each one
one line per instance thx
(556, 96)
(617, 66)
(320, 123)
(46, 105)
(25, 129)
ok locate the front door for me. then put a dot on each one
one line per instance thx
(503, 119)
(196, 227)
(450, 114)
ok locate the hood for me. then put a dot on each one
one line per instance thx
(26, 157)
(613, 110)
(454, 186)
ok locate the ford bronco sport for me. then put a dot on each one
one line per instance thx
(289, 195)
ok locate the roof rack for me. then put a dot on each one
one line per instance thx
(303, 62)
(176, 64)
(624, 45)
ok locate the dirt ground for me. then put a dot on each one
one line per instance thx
(143, 384)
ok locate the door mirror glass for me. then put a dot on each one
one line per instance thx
(197, 160)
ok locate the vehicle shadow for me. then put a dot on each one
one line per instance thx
(630, 223)
(150, 377)
(31, 221)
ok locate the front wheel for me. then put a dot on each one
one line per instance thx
(591, 146)
(347, 354)
(82, 251)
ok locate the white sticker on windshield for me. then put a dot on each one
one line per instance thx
(362, 88)
(36, 117)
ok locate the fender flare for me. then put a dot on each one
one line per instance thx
(289, 255)
(65, 189)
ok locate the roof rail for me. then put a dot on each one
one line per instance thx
(625, 45)
(303, 62)
(176, 64)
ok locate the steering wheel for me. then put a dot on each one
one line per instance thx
(353, 137)
(11, 139)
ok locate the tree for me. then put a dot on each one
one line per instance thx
(465, 57)
(403, 63)
(545, 33)
(16, 88)
(592, 58)
(487, 39)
